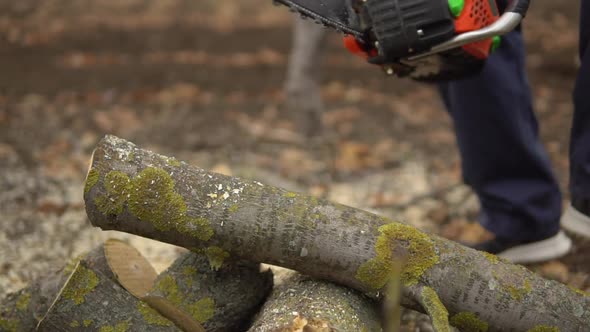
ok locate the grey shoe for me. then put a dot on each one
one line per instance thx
(576, 218)
(538, 251)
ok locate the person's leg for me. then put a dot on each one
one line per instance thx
(576, 218)
(302, 84)
(502, 157)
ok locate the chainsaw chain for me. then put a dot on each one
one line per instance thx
(326, 22)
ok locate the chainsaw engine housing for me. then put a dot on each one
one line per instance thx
(401, 29)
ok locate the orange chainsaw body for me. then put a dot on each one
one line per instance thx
(477, 14)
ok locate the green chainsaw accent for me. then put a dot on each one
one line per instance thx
(496, 41)
(456, 7)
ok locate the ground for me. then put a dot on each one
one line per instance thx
(201, 81)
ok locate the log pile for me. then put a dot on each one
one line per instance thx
(349, 257)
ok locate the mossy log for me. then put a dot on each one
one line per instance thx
(92, 300)
(304, 304)
(22, 310)
(222, 297)
(137, 191)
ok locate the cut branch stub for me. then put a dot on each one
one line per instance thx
(137, 191)
(304, 304)
(224, 299)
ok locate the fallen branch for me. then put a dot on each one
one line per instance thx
(137, 191)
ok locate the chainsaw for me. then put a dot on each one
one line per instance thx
(426, 40)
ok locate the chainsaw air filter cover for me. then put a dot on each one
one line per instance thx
(405, 28)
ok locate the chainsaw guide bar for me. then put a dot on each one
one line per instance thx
(323, 12)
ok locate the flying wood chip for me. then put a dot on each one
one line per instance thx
(132, 270)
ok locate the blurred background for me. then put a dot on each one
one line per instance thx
(203, 81)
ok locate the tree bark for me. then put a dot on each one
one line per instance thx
(92, 300)
(224, 298)
(137, 191)
(304, 304)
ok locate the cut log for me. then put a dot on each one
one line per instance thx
(92, 300)
(304, 304)
(137, 191)
(22, 310)
(222, 297)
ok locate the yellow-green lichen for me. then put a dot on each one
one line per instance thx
(173, 162)
(23, 301)
(543, 328)
(436, 310)
(469, 322)
(117, 186)
(120, 327)
(202, 310)
(152, 198)
(91, 180)
(9, 325)
(518, 293)
(189, 271)
(199, 228)
(420, 256)
(87, 322)
(233, 208)
(71, 265)
(151, 316)
(216, 256)
(375, 273)
(491, 257)
(167, 285)
(578, 291)
(290, 194)
(80, 284)
(75, 323)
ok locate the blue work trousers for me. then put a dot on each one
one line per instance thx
(502, 157)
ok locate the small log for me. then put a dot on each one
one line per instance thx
(303, 304)
(137, 191)
(220, 296)
(92, 300)
(22, 310)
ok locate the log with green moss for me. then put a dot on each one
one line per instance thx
(303, 304)
(140, 192)
(92, 300)
(222, 297)
(22, 310)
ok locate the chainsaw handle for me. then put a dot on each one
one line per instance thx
(506, 23)
(519, 7)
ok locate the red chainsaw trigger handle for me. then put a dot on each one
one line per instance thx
(357, 48)
(475, 15)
